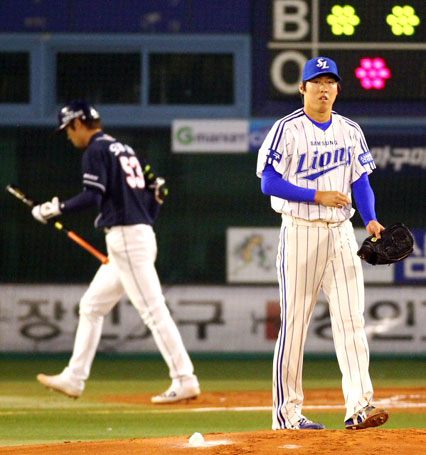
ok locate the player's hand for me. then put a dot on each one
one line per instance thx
(160, 190)
(332, 199)
(374, 228)
(47, 210)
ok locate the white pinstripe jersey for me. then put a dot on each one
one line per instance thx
(309, 157)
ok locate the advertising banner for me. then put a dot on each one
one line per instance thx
(225, 135)
(210, 319)
(413, 269)
(258, 130)
(251, 255)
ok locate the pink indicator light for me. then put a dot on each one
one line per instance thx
(366, 63)
(384, 73)
(366, 83)
(378, 63)
(372, 73)
(360, 73)
(378, 84)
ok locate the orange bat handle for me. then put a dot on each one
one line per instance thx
(73, 236)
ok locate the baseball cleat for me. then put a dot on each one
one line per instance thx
(177, 392)
(367, 418)
(59, 384)
(305, 424)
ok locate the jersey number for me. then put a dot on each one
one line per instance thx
(133, 170)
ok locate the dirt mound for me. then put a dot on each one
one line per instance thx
(371, 441)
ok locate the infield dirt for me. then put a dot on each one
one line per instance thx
(308, 442)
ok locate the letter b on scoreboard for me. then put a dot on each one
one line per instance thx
(291, 20)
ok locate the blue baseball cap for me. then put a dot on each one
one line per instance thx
(319, 66)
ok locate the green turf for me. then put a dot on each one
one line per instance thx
(318, 373)
(30, 414)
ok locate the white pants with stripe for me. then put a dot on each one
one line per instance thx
(132, 251)
(315, 255)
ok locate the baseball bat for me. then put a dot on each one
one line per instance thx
(19, 194)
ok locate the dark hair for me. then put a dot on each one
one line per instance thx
(91, 124)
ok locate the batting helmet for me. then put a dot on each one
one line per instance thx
(76, 109)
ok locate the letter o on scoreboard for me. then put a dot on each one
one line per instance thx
(285, 81)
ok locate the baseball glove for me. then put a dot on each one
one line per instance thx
(395, 244)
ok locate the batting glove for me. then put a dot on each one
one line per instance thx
(160, 190)
(47, 210)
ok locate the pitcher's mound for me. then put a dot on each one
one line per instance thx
(306, 442)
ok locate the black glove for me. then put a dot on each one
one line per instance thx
(396, 243)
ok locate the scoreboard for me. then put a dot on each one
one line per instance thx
(379, 46)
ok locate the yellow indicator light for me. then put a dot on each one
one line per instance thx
(343, 20)
(403, 20)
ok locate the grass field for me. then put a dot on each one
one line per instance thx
(30, 414)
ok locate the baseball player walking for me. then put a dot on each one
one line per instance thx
(129, 201)
(309, 163)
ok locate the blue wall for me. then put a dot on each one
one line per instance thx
(125, 16)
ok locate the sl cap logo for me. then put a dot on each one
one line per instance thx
(321, 63)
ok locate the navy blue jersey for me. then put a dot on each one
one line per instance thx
(113, 169)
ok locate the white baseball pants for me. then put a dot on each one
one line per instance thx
(315, 255)
(132, 251)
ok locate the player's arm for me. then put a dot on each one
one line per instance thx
(54, 208)
(365, 202)
(86, 199)
(273, 184)
(274, 149)
(362, 165)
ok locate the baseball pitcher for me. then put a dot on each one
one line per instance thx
(311, 163)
